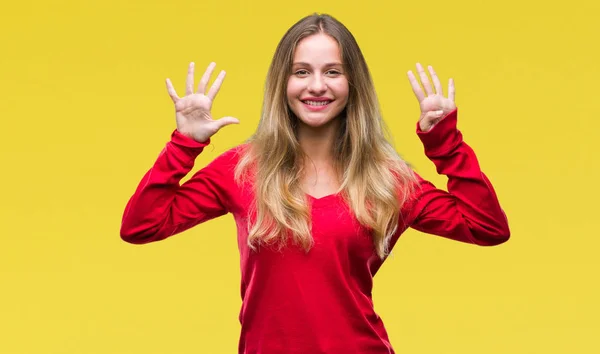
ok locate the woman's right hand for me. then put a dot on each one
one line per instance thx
(192, 112)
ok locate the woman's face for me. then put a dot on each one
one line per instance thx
(317, 89)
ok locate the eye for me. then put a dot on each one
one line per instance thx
(333, 72)
(301, 72)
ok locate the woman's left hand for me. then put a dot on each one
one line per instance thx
(434, 106)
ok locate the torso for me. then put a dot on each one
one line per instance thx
(318, 301)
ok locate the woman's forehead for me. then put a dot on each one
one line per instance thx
(319, 48)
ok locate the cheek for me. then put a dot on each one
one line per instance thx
(341, 90)
(293, 89)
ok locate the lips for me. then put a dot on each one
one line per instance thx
(316, 106)
(316, 103)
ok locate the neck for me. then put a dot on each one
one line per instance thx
(317, 143)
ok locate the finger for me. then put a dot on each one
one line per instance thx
(430, 119)
(424, 80)
(205, 78)
(216, 86)
(414, 83)
(189, 82)
(172, 92)
(436, 81)
(226, 121)
(451, 92)
(434, 114)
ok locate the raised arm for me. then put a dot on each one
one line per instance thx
(470, 210)
(160, 206)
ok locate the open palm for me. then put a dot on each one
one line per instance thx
(434, 106)
(192, 112)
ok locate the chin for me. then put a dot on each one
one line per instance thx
(317, 122)
(318, 119)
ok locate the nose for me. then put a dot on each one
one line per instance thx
(317, 84)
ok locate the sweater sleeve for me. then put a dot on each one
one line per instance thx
(469, 211)
(160, 207)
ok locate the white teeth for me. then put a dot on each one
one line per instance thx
(316, 103)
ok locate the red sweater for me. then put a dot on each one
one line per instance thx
(320, 301)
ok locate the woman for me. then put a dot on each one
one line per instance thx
(318, 194)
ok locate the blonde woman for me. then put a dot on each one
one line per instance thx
(318, 194)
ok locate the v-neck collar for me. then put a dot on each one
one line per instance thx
(324, 200)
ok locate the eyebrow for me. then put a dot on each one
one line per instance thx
(327, 64)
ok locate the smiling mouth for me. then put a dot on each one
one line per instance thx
(316, 103)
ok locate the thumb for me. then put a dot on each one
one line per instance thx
(226, 121)
(433, 115)
(429, 119)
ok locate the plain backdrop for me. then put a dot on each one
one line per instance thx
(84, 113)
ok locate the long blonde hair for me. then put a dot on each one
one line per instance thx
(375, 181)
